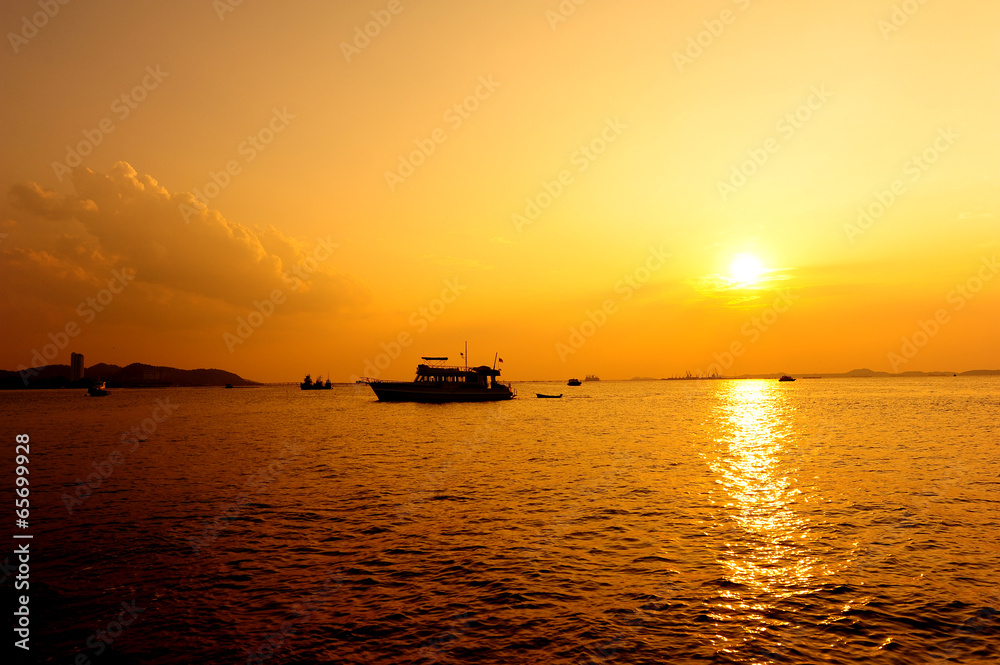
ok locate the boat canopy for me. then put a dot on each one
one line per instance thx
(435, 358)
(472, 373)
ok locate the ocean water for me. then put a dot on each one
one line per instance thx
(821, 521)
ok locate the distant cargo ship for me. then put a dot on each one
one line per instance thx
(592, 377)
(309, 384)
(438, 383)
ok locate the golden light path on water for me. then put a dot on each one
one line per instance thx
(766, 556)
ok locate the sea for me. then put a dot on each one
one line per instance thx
(714, 521)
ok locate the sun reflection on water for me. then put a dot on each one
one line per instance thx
(765, 555)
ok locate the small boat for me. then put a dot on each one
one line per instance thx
(100, 390)
(229, 385)
(573, 382)
(785, 377)
(541, 396)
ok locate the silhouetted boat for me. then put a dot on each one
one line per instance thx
(541, 396)
(592, 377)
(229, 385)
(309, 384)
(439, 383)
(100, 390)
(573, 382)
(785, 377)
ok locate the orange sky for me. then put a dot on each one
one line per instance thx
(502, 173)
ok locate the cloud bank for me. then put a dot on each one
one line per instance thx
(123, 218)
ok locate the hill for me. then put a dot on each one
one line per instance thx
(136, 375)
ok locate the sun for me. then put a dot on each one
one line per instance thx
(746, 270)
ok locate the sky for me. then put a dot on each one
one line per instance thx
(627, 189)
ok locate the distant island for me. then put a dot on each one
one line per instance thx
(136, 375)
(853, 374)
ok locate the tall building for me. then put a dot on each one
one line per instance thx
(75, 366)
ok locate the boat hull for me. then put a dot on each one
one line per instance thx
(432, 394)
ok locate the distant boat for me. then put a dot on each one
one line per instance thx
(541, 396)
(573, 382)
(592, 377)
(438, 383)
(100, 390)
(229, 385)
(309, 384)
(785, 377)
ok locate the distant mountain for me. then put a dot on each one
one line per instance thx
(136, 375)
(865, 373)
(872, 374)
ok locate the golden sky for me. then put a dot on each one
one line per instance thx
(626, 189)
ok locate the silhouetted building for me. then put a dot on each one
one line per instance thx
(75, 366)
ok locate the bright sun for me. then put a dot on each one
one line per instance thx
(746, 269)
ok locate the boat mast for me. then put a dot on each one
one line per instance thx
(495, 356)
(466, 355)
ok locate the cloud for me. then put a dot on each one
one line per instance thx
(975, 214)
(129, 219)
(734, 292)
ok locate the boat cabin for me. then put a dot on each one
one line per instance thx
(483, 375)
